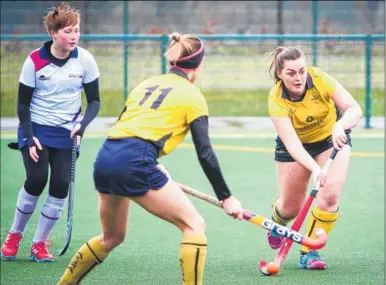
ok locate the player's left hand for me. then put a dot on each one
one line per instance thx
(339, 138)
(74, 131)
(319, 174)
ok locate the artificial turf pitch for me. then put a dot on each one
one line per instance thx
(149, 255)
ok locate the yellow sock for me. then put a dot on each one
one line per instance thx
(87, 257)
(319, 219)
(192, 258)
(277, 217)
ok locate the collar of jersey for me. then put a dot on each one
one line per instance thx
(179, 72)
(309, 84)
(43, 52)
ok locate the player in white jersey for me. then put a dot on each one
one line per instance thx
(50, 114)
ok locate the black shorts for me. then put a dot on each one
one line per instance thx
(282, 155)
(127, 167)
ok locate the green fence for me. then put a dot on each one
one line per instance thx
(244, 51)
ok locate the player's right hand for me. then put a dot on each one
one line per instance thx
(32, 150)
(339, 137)
(233, 207)
(74, 133)
(318, 173)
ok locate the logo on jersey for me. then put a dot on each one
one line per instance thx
(309, 119)
(292, 112)
(316, 98)
(43, 78)
(75, 75)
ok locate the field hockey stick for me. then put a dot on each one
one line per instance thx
(70, 202)
(285, 248)
(265, 223)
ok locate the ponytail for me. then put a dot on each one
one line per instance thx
(280, 55)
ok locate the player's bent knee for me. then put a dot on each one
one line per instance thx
(196, 225)
(291, 207)
(199, 224)
(290, 213)
(331, 199)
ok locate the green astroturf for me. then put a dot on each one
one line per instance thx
(149, 255)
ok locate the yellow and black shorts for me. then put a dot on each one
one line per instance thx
(282, 155)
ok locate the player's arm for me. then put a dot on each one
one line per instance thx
(287, 134)
(91, 90)
(343, 100)
(280, 117)
(197, 118)
(207, 157)
(23, 111)
(27, 81)
(352, 111)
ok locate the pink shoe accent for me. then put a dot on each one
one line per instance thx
(275, 241)
(11, 245)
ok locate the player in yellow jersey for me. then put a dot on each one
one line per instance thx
(312, 113)
(157, 115)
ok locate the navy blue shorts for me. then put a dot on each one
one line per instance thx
(282, 154)
(56, 137)
(127, 167)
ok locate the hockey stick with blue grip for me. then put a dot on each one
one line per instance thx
(70, 211)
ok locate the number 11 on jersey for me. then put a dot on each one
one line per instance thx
(160, 98)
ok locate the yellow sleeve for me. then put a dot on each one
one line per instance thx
(196, 106)
(329, 83)
(275, 108)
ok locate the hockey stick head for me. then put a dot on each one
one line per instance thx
(267, 269)
(273, 268)
(66, 243)
(69, 220)
(318, 243)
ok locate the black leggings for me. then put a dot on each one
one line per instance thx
(59, 160)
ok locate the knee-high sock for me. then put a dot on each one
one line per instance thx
(319, 219)
(50, 214)
(192, 258)
(88, 256)
(25, 206)
(279, 218)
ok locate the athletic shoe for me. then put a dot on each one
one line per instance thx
(275, 240)
(11, 245)
(312, 260)
(39, 251)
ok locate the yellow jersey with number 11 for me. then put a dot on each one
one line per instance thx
(160, 110)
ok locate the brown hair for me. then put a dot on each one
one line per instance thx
(181, 46)
(60, 17)
(282, 54)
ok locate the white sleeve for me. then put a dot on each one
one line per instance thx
(91, 71)
(28, 74)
